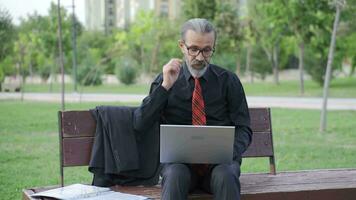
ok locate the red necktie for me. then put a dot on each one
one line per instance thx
(198, 107)
(198, 118)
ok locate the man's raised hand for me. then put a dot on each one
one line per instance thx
(170, 72)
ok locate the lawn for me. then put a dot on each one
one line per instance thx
(342, 87)
(124, 89)
(29, 144)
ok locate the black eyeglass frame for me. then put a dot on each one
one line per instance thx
(199, 51)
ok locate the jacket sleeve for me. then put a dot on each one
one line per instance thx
(239, 115)
(151, 107)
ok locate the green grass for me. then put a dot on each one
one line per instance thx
(342, 88)
(69, 88)
(29, 144)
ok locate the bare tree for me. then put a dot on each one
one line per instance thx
(60, 52)
(339, 4)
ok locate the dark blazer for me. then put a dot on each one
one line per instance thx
(121, 155)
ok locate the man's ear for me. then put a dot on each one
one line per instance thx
(181, 45)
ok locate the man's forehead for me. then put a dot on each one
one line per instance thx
(196, 38)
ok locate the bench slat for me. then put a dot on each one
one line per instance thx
(301, 180)
(261, 145)
(336, 184)
(82, 123)
(77, 124)
(77, 151)
(260, 119)
(78, 129)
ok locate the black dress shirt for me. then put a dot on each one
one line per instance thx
(224, 97)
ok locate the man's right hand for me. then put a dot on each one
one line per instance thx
(171, 72)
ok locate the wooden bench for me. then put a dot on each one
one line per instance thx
(76, 132)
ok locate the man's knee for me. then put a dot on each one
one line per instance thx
(175, 182)
(176, 172)
(225, 183)
(227, 174)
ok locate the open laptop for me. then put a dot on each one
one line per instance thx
(196, 144)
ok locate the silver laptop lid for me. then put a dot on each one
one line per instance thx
(196, 144)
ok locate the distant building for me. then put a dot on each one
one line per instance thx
(168, 8)
(95, 15)
(108, 14)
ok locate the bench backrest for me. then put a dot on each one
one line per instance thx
(77, 130)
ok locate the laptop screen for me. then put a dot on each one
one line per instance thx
(196, 144)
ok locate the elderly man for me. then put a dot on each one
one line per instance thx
(193, 91)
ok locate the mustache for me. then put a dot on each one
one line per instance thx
(198, 62)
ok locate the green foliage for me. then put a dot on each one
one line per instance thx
(90, 70)
(259, 62)
(45, 66)
(225, 59)
(149, 41)
(7, 33)
(95, 42)
(199, 9)
(127, 70)
(7, 66)
(36, 45)
(229, 29)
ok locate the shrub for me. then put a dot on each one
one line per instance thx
(126, 70)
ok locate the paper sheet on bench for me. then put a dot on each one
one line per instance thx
(86, 192)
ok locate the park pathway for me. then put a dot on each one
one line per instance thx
(253, 101)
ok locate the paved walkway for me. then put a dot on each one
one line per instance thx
(253, 101)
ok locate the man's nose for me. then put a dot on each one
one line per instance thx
(200, 56)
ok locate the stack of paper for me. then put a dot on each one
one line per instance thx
(86, 192)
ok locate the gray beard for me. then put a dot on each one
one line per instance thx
(195, 72)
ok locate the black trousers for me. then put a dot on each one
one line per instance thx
(221, 180)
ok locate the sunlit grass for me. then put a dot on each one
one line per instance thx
(341, 88)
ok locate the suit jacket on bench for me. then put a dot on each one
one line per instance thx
(121, 155)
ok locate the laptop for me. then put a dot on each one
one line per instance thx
(196, 144)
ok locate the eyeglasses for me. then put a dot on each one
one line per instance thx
(194, 51)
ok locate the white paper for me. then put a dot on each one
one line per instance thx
(111, 195)
(87, 192)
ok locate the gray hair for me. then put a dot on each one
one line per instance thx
(198, 25)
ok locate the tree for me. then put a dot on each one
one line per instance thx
(270, 25)
(230, 32)
(37, 42)
(300, 17)
(347, 35)
(7, 33)
(339, 4)
(199, 9)
(151, 41)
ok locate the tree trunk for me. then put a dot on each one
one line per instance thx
(328, 71)
(30, 68)
(248, 61)
(301, 67)
(51, 74)
(61, 64)
(276, 64)
(270, 58)
(154, 59)
(353, 66)
(22, 71)
(238, 64)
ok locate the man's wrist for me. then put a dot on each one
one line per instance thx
(165, 86)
